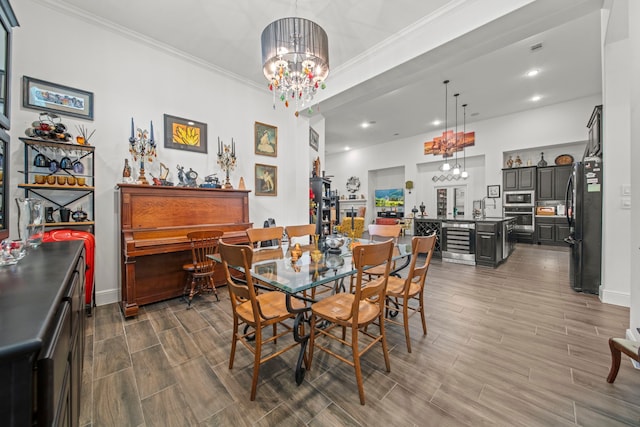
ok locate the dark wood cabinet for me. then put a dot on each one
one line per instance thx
(7, 22)
(552, 182)
(489, 243)
(551, 231)
(326, 205)
(594, 144)
(42, 337)
(515, 179)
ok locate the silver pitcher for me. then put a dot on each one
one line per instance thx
(31, 221)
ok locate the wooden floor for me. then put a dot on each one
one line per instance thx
(510, 346)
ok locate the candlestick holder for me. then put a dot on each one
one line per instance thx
(142, 146)
(227, 160)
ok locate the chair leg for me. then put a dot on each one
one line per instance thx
(312, 336)
(385, 349)
(421, 305)
(256, 363)
(193, 291)
(615, 361)
(405, 320)
(356, 363)
(234, 340)
(213, 287)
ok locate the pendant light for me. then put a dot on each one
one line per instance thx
(456, 167)
(446, 166)
(464, 174)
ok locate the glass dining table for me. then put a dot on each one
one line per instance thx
(274, 267)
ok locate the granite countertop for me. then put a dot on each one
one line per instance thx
(465, 218)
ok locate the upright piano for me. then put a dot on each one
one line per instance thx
(154, 222)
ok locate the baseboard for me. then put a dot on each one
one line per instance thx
(615, 298)
(107, 297)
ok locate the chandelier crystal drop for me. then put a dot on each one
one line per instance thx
(295, 58)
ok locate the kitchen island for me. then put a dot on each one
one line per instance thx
(466, 240)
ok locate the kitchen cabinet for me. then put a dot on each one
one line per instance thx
(515, 179)
(42, 337)
(551, 230)
(552, 182)
(71, 184)
(594, 144)
(488, 243)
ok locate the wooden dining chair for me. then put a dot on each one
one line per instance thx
(378, 232)
(200, 270)
(617, 347)
(256, 311)
(401, 291)
(298, 232)
(271, 235)
(355, 311)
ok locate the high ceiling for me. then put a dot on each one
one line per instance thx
(388, 59)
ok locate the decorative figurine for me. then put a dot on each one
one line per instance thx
(542, 163)
(510, 162)
(126, 171)
(144, 146)
(227, 160)
(518, 162)
(187, 179)
(422, 208)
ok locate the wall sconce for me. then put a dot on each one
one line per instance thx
(409, 186)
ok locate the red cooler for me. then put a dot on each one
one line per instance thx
(90, 247)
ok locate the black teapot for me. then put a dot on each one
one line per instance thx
(79, 215)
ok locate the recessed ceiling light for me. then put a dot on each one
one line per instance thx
(396, 134)
(364, 125)
(436, 122)
(347, 148)
(532, 73)
(536, 98)
(475, 114)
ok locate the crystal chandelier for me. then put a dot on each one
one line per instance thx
(295, 57)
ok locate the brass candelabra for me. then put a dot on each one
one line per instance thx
(143, 146)
(227, 160)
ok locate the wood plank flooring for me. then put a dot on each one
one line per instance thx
(511, 346)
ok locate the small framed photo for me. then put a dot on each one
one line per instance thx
(46, 96)
(266, 139)
(266, 180)
(314, 139)
(493, 191)
(185, 134)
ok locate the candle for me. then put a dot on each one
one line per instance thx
(353, 219)
(233, 148)
(132, 136)
(151, 132)
(219, 147)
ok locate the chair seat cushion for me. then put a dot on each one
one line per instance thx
(395, 287)
(339, 306)
(272, 304)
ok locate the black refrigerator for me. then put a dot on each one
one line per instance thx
(584, 214)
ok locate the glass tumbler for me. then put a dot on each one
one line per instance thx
(31, 221)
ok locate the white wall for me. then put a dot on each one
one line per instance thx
(133, 78)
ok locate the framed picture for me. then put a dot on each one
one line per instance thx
(65, 100)
(185, 134)
(493, 191)
(266, 180)
(314, 139)
(266, 139)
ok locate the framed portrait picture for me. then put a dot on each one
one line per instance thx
(266, 180)
(185, 134)
(46, 96)
(266, 139)
(493, 191)
(314, 139)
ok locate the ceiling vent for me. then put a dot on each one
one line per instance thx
(536, 47)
